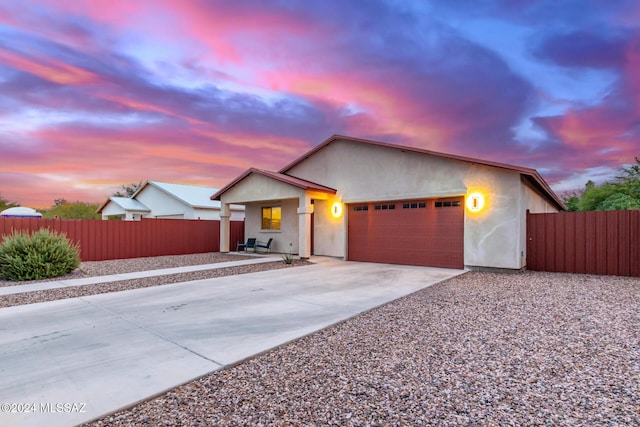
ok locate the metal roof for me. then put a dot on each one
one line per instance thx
(192, 195)
(128, 204)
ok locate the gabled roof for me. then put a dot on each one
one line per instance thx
(531, 175)
(191, 195)
(125, 203)
(287, 179)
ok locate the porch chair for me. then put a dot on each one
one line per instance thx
(264, 246)
(251, 243)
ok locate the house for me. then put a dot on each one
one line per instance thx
(124, 207)
(156, 199)
(366, 200)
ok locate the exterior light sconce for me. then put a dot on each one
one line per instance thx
(475, 202)
(336, 209)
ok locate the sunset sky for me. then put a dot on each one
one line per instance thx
(95, 94)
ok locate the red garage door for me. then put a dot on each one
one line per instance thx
(414, 232)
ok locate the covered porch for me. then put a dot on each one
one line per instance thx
(277, 206)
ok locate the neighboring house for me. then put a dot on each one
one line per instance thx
(166, 200)
(123, 207)
(371, 201)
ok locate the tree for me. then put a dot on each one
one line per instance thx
(571, 200)
(593, 195)
(72, 210)
(628, 181)
(128, 190)
(6, 204)
(623, 193)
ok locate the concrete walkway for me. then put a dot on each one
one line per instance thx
(69, 361)
(41, 286)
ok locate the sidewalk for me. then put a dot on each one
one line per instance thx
(41, 286)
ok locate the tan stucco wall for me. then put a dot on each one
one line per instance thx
(362, 172)
(330, 235)
(256, 187)
(285, 240)
(491, 236)
(535, 203)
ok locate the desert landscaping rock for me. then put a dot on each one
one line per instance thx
(481, 349)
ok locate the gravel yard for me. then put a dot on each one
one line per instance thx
(480, 349)
(101, 268)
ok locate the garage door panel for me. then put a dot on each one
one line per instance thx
(413, 232)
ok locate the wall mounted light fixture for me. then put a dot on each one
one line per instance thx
(336, 209)
(475, 202)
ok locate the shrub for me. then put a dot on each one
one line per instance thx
(40, 255)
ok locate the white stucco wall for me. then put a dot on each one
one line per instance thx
(363, 172)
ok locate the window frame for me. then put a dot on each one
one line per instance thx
(270, 218)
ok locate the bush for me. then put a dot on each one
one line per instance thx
(41, 255)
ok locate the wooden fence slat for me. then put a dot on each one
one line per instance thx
(102, 240)
(604, 242)
(634, 243)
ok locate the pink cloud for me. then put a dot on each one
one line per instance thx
(116, 13)
(89, 164)
(632, 69)
(48, 68)
(229, 29)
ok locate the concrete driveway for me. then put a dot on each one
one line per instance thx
(70, 361)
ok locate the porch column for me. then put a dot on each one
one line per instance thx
(225, 227)
(304, 227)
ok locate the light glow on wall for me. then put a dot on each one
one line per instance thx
(475, 202)
(336, 209)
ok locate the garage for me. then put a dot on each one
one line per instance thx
(395, 204)
(427, 232)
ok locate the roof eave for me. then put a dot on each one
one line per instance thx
(299, 183)
(521, 169)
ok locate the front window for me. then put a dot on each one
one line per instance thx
(271, 217)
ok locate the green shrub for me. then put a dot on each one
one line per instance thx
(40, 255)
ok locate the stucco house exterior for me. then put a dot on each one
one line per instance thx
(156, 199)
(372, 201)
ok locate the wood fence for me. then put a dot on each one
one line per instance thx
(102, 240)
(601, 242)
